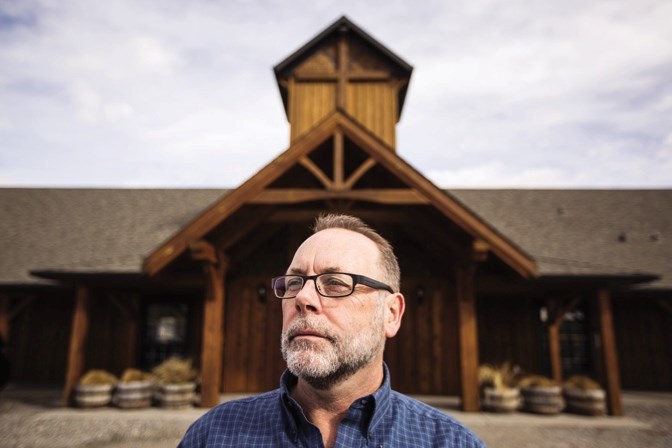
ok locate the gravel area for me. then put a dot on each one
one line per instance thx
(33, 418)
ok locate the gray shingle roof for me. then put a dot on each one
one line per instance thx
(100, 230)
(584, 232)
(568, 232)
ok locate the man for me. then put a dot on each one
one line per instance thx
(340, 302)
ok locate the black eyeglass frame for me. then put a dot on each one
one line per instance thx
(356, 280)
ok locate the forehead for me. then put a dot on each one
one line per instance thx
(336, 249)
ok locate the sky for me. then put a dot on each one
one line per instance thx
(181, 94)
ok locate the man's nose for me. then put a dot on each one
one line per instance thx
(308, 299)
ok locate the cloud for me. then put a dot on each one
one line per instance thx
(167, 93)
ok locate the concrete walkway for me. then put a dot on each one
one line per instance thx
(34, 418)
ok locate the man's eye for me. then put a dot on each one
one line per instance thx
(294, 283)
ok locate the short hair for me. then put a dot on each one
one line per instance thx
(389, 263)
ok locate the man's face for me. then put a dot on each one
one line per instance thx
(328, 339)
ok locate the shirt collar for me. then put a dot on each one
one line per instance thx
(380, 399)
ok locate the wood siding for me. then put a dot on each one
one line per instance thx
(423, 357)
(510, 330)
(252, 358)
(310, 103)
(374, 105)
(644, 343)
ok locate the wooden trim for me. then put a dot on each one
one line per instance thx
(445, 203)
(468, 337)
(339, 160)
(359, 172)
(609, 353)
(226, 206)
(212, 343)
(78, 333)
(316, 171)
(354, 76)
(297, 195)
(343, 60)
(424, 192)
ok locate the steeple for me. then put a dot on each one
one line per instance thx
(344, 68)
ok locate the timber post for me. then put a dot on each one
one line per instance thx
(215, 266)
(610, 370)
(77, 348)
(556, 315)
(468, 329)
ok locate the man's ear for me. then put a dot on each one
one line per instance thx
(395, 305)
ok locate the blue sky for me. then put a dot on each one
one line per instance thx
(167, 93)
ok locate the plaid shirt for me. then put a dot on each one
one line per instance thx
(384, 419)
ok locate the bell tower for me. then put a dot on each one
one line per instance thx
(343, 68)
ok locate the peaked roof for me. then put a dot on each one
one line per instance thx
(382, 154)
(569, 233)
(283, 68)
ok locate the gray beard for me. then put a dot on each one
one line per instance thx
(334, 359)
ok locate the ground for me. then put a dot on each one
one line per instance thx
(34, 418)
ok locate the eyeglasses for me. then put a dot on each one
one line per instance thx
(332, 284)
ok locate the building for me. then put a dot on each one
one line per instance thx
(559, 282)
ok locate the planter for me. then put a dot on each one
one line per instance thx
(93, 395)
(506, 400)
(585, 402)
(133, 395)
(175, 396)
(543, 400)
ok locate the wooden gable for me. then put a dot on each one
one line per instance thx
(338, 161)
(344, 68)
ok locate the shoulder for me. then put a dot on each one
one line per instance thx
(424, 422)
(229, 420)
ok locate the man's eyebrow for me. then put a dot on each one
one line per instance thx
(299, 271)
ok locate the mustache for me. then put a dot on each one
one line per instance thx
(304, 325)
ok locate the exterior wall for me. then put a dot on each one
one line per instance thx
(38, 341)
(252, 359)
(423, 358)
(644, 343)
(509, 330)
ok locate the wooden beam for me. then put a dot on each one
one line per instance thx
(343, 61)
(554, 347)
(446, 204)
(359, 172)
(479, 250)
(353, 75)
(229, 204)
(401, 196)
(339, 160)
(556, 316)
(609, 356)
(316, 171)
(468, 337)
(202, 250)
(240, 225)
(212, 344)
(76, 352)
